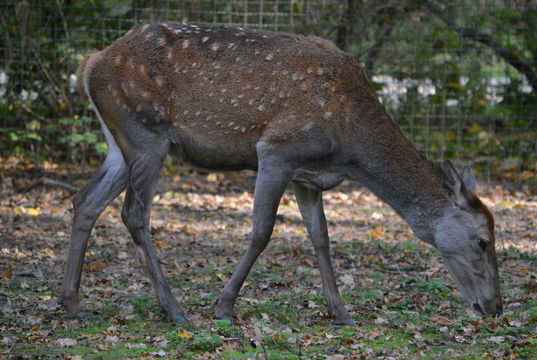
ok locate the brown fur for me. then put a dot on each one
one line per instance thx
(243, 78)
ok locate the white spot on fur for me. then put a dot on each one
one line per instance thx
(307, 126)
(161, 41)
(269, 57)
(186, 42)
(261, 107)
(144, 28)
(320, 71)
(328, 115)
(215, 46)
(159, 81)
(118, 59)
(204, 39)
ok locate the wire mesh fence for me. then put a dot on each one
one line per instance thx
(457, 76)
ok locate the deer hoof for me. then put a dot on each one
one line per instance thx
(345, 322)
(227, 315)
(179, 319)
(77, 316)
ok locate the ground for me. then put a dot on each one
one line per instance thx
(396, 288)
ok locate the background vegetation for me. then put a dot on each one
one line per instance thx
(458, 76)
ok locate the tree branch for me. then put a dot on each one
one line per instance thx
(485, 39)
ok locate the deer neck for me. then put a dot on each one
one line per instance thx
(391, 167)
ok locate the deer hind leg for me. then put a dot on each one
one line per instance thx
(269, 187)
(310, 204)
(109, 181)
(143, 176)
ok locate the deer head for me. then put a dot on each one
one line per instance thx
(464, 235)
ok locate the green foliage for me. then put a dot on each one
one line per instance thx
(474, 111)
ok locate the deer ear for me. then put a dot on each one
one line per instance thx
(468, 179)
(454, 184)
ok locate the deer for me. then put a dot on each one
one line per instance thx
(294, 108)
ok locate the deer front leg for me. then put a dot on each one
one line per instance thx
(269, 187)
(310, 204)
(109, 181)
(143, 178)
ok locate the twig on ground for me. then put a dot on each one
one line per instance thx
(49, 182)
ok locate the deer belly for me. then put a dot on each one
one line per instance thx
(210, 155)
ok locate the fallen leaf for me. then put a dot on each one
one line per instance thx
(66, 342)
(33, 212)
(440, 320)
(497, 339)
(184, 335)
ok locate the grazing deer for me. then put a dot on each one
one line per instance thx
(296, 109)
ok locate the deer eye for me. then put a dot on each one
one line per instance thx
(483, 244)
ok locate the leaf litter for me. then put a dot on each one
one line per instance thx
(401, 297)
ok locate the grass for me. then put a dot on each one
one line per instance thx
(403, 302)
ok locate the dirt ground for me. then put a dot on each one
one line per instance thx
(397, 290)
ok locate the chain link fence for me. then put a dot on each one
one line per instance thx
(458, 76)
